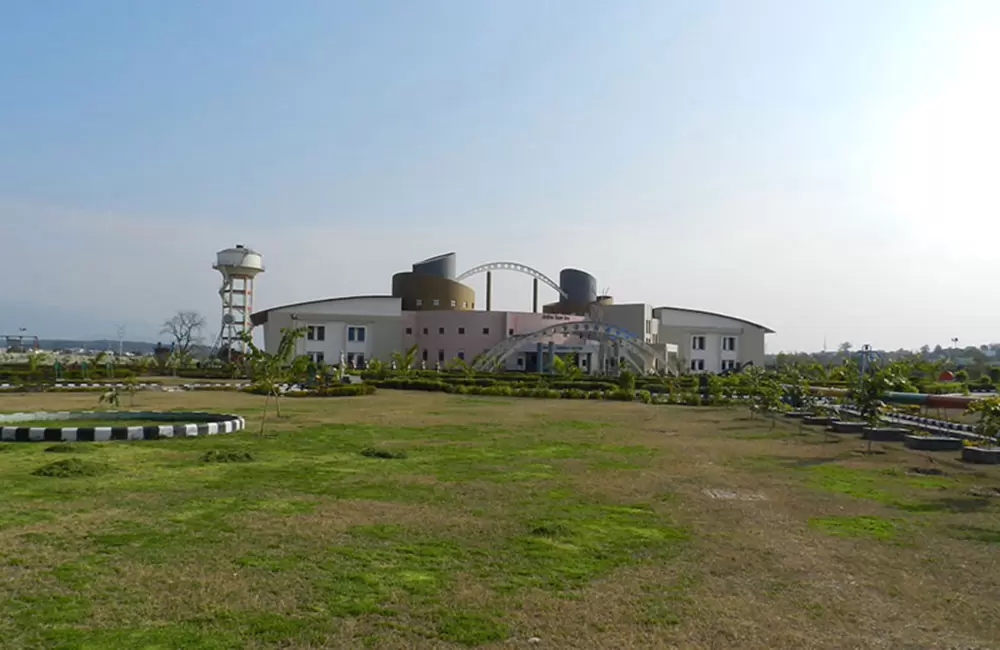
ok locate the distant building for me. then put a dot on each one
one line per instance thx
(430, 308)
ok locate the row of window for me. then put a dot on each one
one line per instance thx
(698, 365)
(461, 355)
(461, 330)
(454, 303)
(318, 333)
(728, 343)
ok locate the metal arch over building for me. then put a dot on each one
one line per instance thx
(634, 349)
(512, 266)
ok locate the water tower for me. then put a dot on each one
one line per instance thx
(238, 266)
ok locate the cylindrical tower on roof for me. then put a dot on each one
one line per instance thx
(442, 266)
(580, 286)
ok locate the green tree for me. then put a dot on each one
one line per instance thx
(111, 397)
(762, 391)
(131, 387)
(988, 425)
(462, 367)
(566, 366)
(270, 372)
(405, 361)
(870, 398)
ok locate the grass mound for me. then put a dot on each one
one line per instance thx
(69, 448)
(226, 456)
(372, 452)
(70, 468)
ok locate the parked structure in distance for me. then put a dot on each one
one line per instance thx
(431, 308)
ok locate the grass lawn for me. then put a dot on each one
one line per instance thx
(487, 522)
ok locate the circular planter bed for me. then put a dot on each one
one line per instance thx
(933, 443)
(843, 426)
(821, 420)
(981, 455)
(174, 424)
(884, 434)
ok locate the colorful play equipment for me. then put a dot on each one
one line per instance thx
(915, 399)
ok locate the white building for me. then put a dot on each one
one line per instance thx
(710, 342)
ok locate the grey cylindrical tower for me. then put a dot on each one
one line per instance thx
(442, 266)
(580, 286)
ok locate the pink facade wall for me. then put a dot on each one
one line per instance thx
(475, 339)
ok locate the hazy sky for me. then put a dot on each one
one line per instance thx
(829, 169)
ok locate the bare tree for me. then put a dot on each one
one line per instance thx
(185, 329)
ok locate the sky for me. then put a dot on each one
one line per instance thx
(829, 169)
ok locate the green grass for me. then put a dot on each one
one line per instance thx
(861, 526)
(469, 522)
(891, 486)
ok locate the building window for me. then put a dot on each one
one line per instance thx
(441, 355)
(465, 304)
(424, 354)
(350, 359)
(454, 304)
(520, 362)
(317, 357)
(461, 330)
(436, 302)
(729, 364)
(697, 364)
(729, 343)
(440, 330)
(409, 330)
(461, 355)
(486, 330)
(316, 333)
(697, 342)
(420, 303)
(359, 360)
(425, 330)
(510, 332)
(356, 334)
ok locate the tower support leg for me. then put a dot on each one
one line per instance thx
(489, 290)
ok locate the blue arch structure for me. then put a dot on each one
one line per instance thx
(637, 352)
(512, 266)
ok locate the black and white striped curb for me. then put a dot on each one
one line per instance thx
(944, 427)
(206, 424)
(60, 385)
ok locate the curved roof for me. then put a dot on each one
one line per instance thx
(767, 330)
(260, 317)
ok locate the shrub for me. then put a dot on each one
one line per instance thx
(596, 394)
(69, 448)
(70, 468)
(573, 393)
(644, 396)
(340, 390)
(410, 383)
(583, 385)
(372, 452)
(497, 391)
(226, 456)
(620, 395)
(691, 399)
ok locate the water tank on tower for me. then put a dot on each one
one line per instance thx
(238, 266)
